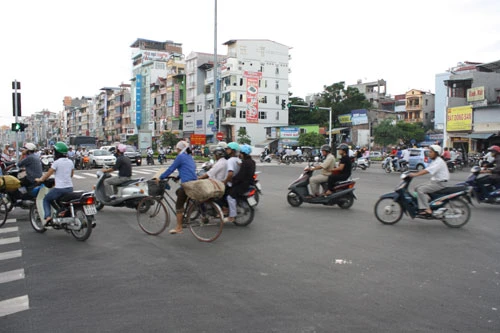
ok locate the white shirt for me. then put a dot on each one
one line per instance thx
(218, 170)
(351, 153)
(63, 167)
(405, 155)
(438, 169)
(233, 164)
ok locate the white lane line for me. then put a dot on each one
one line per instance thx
(10, 254)
(78, 177)
(90, 174)
(11, 220)
(10, 276)
(9, 229)
(13, 305)
(143, 172)
(9, 240)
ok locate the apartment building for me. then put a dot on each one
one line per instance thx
(419, 107)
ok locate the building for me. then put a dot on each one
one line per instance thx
(419, 107)
(375, 91)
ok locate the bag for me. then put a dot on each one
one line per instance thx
(204, 189)
(9, 183)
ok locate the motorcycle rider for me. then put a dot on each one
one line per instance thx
(326, 168)
(343, 171)
(440, 175)
(124, 167)
(405, 157)
(31, 163)
(494, 177)
(233, 167)
(63, 170)
(161, 153)
(219, 170)
(184, 163)
(241, 181)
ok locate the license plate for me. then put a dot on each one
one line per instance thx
(251, 201)
(258, 186)
(89, 210)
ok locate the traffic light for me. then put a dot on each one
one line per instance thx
(16, 127)
(283, 104)
(311, 106)
(23, 127)
(289, 105)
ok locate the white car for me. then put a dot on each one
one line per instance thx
(101, 157)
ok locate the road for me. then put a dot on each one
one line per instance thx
(305, 269)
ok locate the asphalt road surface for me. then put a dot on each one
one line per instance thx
(308, 269)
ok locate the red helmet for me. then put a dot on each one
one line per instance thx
(495, 149)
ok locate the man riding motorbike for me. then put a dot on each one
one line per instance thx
(494, 177)
(325, 167)
(440, 175)
(124, 167)
(343, 171)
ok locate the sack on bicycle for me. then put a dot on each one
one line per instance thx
(204, 189)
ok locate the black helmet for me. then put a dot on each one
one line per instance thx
(343, 147)
(326, 148)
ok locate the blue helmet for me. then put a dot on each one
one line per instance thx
(234, 146)
(246, 149)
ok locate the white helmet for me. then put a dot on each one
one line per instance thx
(436, 148)
(30, 146)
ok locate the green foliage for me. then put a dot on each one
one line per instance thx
(168, 139)
(311, 139)
(243, 136)
(133, 140)
(387, 133)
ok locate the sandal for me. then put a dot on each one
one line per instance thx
(175, 231)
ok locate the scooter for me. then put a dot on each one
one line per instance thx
(265, 157)
(47, 161)
(343, 192)
(149, 159)
(487, 193)
(362, 163)
(448, 205)
(129, 193)
(161, 158)
(392, 164)
(73, 212)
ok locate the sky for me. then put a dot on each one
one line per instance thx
(73, 48)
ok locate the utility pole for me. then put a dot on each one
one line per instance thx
(16, 103)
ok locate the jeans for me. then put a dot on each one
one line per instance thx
(53, 194)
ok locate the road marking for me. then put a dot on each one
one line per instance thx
(9, 240)
(89, 174)
(9, 229)
(14, 305)
(10, 254)
(78, 177)
(143, 172)
(10, 276)
(10, 221)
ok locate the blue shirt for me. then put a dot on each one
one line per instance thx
(186, 166)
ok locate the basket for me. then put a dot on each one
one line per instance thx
(155, 189)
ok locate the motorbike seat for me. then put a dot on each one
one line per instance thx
(448, 190)
(128, 182)
(70, 196)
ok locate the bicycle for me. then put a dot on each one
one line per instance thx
(205, 219)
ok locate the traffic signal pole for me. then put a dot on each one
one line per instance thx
(317, 108)
(15, 85)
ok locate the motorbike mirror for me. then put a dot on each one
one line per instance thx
(316, 159)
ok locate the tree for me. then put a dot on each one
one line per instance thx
(409, 131)
(168, 139)
(133, 140)
(243, 136)
(386, 133)
(390, 133)
(311, 139)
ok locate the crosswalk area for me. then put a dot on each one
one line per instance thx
(137, 172)
(12, 288)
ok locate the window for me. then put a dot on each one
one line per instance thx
(426, 102)
(241, 82)
(262, 115)
(263, 100)
(277, 100)
(243, 114)
(241, 97)
(277, 85)
(277, 116)
(277, 70)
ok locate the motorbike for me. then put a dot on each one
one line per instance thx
(47, 161)
(392, 164)
(451, 166)
(487, 193)
(129, 193)
(343, 192)
(161, 158)
(73, 212)
(24, 197)
(149, 159)
(362, 163)
(450, 205)
(258, 187)
(265, 157)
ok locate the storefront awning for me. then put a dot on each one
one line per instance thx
(338, 130)
(265, 143)
(481, 136)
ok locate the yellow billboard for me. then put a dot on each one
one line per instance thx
(459, 119)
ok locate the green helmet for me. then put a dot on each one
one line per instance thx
(61, 147)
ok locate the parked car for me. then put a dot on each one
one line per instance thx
(108, 148)
(100, 157)
(419, 158)
(134, 155)
(376, 154)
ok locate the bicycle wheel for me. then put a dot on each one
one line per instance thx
(4, 211)
(152, 216)
(205, 220)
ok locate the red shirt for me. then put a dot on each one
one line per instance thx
(446, 154)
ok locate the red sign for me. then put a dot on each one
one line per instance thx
(219, 136)
(198, 139)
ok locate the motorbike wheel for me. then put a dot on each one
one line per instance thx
(4, 212)
(354, 166)
(388, 169)
(457, 214)
(98, 205)
(404, 168)
(85, 228)
(388, 211)
(346, 202)
(256, 196)
(36, 221)
(244, 213)
(294, 201)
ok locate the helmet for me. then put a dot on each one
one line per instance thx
(234, 146)
(61, 147)
(29, 146)
(222, 145)
(326, 148)
(343, 147)
(246, 149)
(121, 148)
(219, 151)
(494, 148)
(436, 148)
